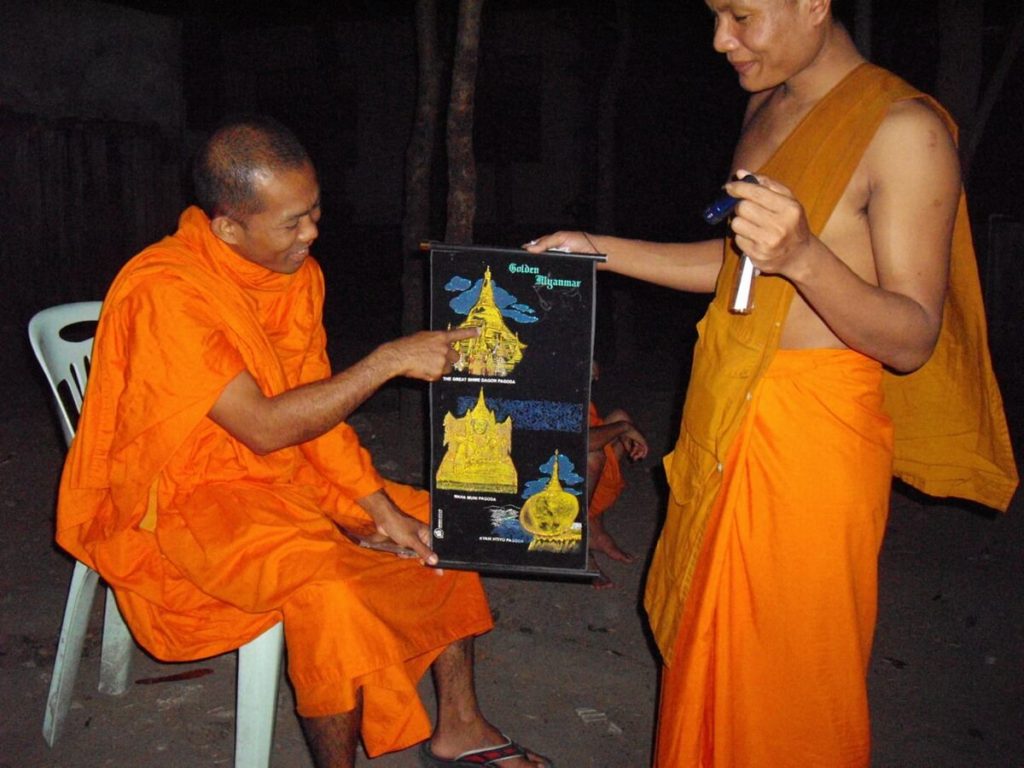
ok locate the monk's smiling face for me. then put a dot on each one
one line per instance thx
(768, 41)
(279, 235)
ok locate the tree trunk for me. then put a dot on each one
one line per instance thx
(461, 164)
(419, 162)
(419, 159)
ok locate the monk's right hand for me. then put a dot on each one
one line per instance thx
(572, 242)
(427, 355)
(394, 524)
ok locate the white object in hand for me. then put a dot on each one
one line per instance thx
(743, 291)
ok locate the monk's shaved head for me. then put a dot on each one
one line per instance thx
(235, 156)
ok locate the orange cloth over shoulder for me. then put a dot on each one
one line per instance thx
(205, 543)
(951, 433)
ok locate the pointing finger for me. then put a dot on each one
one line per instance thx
(458, 334)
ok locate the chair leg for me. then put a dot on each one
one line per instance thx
(259, 675)
(69, 650)
(116, 655)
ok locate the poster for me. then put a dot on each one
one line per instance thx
(509, 425)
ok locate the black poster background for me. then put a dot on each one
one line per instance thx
(547, 302)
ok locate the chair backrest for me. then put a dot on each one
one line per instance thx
(61, 338)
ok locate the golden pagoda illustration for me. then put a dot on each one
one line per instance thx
(478, 455)
(549, 515)
(497, 349)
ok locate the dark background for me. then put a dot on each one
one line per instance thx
(102, 104)
(100, 108)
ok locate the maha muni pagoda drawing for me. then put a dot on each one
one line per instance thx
(478, 455)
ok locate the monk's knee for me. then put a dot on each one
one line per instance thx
(617, 415)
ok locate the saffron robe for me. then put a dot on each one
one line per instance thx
(951, 436)
(772, 666)
(610, 484)
(207, 544)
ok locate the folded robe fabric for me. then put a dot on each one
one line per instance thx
(207, 544)
(951, 436)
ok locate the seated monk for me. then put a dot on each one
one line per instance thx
(611, 438)
(213, 472)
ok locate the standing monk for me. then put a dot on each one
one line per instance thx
(212, 469)
(762, 590)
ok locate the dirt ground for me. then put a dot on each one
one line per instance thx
(569, 669)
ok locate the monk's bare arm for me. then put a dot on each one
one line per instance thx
(690, 267)
(633, 441)
(265, 424)
(893, 316)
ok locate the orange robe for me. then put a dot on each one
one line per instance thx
(611, 483)
(207, 544)
(950, 438)
(783, 607)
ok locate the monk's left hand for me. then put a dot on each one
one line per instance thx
(770, 225)
(402, 529)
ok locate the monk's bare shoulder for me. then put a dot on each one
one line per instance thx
(913, 176)
(913, 139)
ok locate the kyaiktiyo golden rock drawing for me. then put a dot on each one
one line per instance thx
(478, 455)
(497, 350)
(549, 516)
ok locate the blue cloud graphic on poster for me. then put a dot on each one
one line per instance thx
(505, 523)
(469, 291)
(539, 415)
(566, 476)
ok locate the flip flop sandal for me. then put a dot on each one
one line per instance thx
(493, 756)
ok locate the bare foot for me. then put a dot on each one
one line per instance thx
(502, 751)
(599, 540)
(602, 580)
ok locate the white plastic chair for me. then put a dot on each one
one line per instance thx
(61, 338)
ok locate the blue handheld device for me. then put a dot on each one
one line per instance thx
(722, 207)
